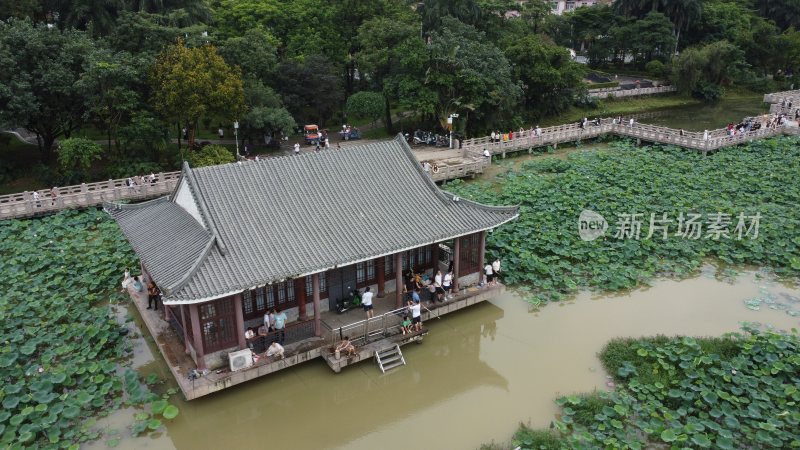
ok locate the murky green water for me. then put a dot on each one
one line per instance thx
(478, 374)
(709, 115)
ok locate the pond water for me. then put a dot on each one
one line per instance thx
(476, 375)
(709, 115)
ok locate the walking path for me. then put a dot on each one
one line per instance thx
(446, 164)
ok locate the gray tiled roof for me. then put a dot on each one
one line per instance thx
(167, 239)
(293, 215)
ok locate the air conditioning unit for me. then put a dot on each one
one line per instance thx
(241, 359)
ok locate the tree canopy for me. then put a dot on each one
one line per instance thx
(190, 83)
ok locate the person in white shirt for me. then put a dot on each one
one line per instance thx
(269, 321)
(538, 131)
(416, 314)
(275, 350)
(447, 284)
(495, 270)
(493, 136)
(296, 149)
(487, 270)
(366, 302)
(486, 153)
(437, 283)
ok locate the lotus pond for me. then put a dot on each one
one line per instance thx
(739, 391)
(543, 251)
(62, 349)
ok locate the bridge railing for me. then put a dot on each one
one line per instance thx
(631, 92)
(87, 194)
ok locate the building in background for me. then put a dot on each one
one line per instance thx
(561, 6)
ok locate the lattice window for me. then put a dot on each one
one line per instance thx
(247, 302)
(218, 325)
(323, 285)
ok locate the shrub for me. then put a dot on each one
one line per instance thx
(129, 167)
(655, 68)
(708, 91)
(210, 155)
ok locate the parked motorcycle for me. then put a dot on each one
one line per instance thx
(350, 302)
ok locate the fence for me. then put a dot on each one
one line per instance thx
(617, 92)
(365, 331)
(83, 195)
(294, 332)
(528, 139)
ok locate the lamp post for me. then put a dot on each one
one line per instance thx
(236, 135)
(450, 125)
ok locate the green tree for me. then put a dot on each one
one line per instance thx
(384, 43)
(192, 83)
(255, 52)
(19, 8)
(464, 74)
(365, 105)
(149, 33)
(653, 37)
(434, 11)
(266, 115)
(211, 155)
(98, 16)
(77, 154)
(702, 71)
(38, 82)
(311, 88)
(785, 13)
(550, 78)
(111, 86)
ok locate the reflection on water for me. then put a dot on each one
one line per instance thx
(474, 378)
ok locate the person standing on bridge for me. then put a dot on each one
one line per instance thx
(538, 131)
(53, 195)
(631, 122)
(493, 136)
(705, 135)
(37, 199)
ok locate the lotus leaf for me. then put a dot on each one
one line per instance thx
(171, 412)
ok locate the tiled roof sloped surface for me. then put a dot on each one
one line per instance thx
(287, 216)
(168, 240)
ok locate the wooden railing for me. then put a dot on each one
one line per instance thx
(83, 195)
(616, 92)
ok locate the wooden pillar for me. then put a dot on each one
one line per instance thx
(481, 252)
(300, 295)
(239, 315)
(315, 289)
(197, 337)
(380, 267)
(398, 277)
(435, 256)
(185, 330)
(456, 264)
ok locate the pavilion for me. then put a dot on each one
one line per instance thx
(297, 233)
